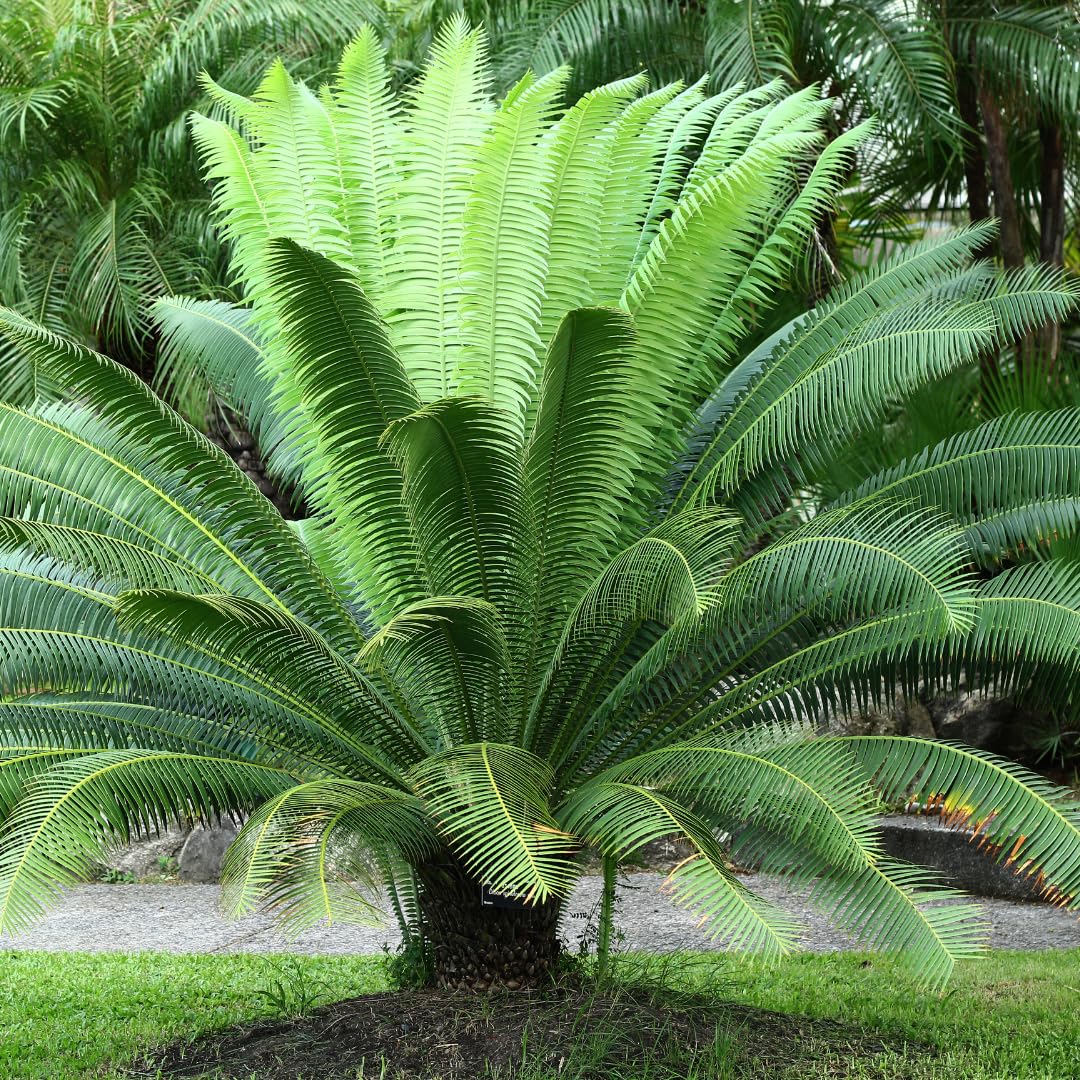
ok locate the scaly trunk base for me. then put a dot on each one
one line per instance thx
(478, 946)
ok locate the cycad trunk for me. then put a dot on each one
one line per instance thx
(477, 941)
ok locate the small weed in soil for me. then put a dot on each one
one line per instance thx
(564, 1033)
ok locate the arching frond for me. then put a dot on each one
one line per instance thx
(490, 801)
(98, 468)
(340, 354)
(312, 854)
(619, 818)
(108, 795)
(1029, 823)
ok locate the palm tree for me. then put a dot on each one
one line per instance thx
(101, 205)
(567, 583)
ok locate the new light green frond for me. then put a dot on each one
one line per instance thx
(500, 310)
(734, 128)
(579, 141)
(296, 167)
(440, 133)
(243, 213)
(687, 135)
(636, 142)
(363, 118)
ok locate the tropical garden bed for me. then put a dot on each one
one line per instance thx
(112, 1017)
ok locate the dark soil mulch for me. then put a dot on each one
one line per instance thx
(435, 1035)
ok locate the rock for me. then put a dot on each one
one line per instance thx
(144, 857)
(239, 439)
(962, 864)
(902, 716)
(985, 722)
(920, 723)
(204, 851)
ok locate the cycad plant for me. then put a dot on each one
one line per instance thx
(566, 584)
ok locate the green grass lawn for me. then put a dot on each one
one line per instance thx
(1012, 1015)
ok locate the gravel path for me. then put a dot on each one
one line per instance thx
(186, 919)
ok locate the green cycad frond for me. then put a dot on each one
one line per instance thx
(116, 562)
(463, 494)
(447, 659)
(60, 633)
(85, 719)
(851, 349)
(579, 141)
(286, 656)
(1030, 823)
(99, 797)
(364, 120)
(442, 129)
(578, 470)
(620, 817)
(1028, 622)
(339, 353)
(804, 809)
(491, 803)
(662, 581)
(836, 575)
(985, 477)
(500, 311)
(311, 852)
(100, 471)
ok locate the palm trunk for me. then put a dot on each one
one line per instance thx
(1051, 218)
(478, 942)
(1012, 243)
(1010, 237)
(978, 192)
